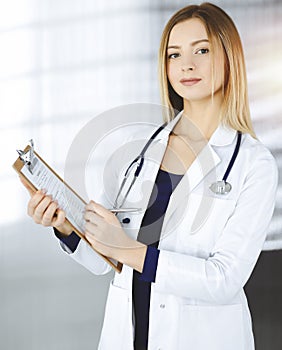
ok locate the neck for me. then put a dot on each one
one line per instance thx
(204, 115)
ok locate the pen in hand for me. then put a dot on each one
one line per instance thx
(125, 210)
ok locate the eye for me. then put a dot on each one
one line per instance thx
(202, 51)
(173, 55)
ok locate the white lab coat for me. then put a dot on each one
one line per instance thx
(208, 248)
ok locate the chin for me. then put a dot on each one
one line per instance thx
(197, 98)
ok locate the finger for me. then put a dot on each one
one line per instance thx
(90, 228)
(49, 214)
(34, 201)
(106, 215)
(27, 185)
(40, 209)
(59, 219)
(99, 209)
(94, 218)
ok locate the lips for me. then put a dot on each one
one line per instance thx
(190, 81)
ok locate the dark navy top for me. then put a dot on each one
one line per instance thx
(149, 234)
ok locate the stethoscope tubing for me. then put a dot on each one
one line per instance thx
(138, 169)
(234, 156)
(139, 160)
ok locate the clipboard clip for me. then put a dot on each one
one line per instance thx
(28, 156)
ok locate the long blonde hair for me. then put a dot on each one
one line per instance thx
(222, 33)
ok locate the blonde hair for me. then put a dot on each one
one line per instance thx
(222, 33)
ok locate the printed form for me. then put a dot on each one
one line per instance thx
(43, 178)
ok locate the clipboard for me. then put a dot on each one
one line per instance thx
(40, 175)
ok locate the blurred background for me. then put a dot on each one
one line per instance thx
(63, 62)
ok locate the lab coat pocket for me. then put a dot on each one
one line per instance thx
(115, 322)
(205, 220)
(210, 212)
(211, 327)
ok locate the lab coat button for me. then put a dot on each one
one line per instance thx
(126, 221)
(162, 306)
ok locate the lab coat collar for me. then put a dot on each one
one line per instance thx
(222, 136)
(169, 127)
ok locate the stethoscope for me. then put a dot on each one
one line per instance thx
(220, 187)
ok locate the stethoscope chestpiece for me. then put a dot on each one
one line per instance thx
(220, 187)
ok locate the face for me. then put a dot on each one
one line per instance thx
(189, 62)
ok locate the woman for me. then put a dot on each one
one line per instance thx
(181, 286)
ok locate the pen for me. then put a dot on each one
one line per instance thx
(125, 210)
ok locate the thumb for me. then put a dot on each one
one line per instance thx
(27, 185)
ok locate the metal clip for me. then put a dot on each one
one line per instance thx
(28, 157)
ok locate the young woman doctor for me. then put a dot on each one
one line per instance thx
(181, 286)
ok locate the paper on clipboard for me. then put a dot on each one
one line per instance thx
(41, 176)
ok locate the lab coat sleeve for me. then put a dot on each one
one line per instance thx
(88, 258)
(220, 277)
(82, 253)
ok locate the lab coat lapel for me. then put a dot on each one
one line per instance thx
(206, 161)
(153, 158)
(203, 164)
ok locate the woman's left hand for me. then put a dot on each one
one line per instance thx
(105, 233)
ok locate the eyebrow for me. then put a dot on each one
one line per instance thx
(196, 42)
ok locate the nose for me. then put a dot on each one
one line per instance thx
(188, 67)
(188, 64)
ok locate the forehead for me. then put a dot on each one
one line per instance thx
(188, 31)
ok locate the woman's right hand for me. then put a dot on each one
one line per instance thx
(44, 211)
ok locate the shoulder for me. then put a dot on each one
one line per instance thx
(259, 157)
(256, 148)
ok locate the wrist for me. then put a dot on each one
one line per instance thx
(64, 229)
(134, 256)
